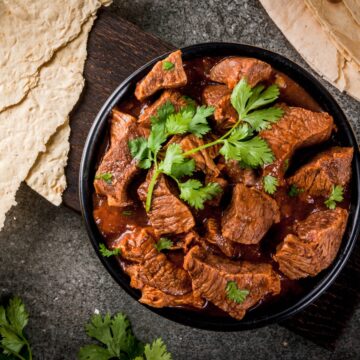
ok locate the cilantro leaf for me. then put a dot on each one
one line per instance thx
(163, 244)
(195, 194)
(186, 168)
(262, 119)
(117, 341)
(157, 137)
(234, 293)
(13, 320)
(157, 351)
(177, 123)
(294, 191)
(162, 113)
(174, 155)
(264, 97)
(94, 352)
(198, 124)
(253, 152)
(139, 150)
(104, 251)
(270, 184)
(168, 65)
(337, 195)
(240, 97)
(107, 177)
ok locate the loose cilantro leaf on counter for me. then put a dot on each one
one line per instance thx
(234, 293)
(337, 195)
(194, 193)
(168, 65)
(116, 340)
(107, 177)
(104, 251)
(294, 191)
(13, 319)
(163, 244)
(270, 184)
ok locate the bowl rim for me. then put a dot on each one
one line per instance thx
(312, 85)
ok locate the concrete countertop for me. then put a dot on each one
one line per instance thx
(47, 259)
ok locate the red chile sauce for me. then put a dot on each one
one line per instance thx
(113, 222)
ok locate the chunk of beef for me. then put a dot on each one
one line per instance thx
(184, 241)
(151, 267)
(314, 244)
(173, 97)
(213, 236)
(249, 216)
(212, 94)
(231, 70)
(168, 214)
(218, 96)
(118, 161)
(160, 78)
(296, 129)
(158, 299)
(329, 168)
(203, 158)
(289, 87)
(210, 275)
(246, 176)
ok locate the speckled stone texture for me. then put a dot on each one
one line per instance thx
(46, 258)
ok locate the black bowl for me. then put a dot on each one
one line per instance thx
(346, 137)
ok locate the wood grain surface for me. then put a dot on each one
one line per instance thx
(116, 48)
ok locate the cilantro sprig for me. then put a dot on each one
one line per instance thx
(116, 340)
(294, 191)
(270, 184)
(239, 143)
(234, 293)
(163, 244)
(337, 195)
(107, 177)
(167, 122)
(13, 320)
(105, 252)
(168, 65)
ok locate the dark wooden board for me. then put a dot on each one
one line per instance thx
(116, 48)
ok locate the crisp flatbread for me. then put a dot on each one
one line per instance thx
(306, 34)
(354, 8)
(47, 176)
(337, 20)
(30, 32)
(303, 31)
(25, 129)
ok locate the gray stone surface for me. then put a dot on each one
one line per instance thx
(46, 258)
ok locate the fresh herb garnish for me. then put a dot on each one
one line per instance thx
(13, 320)
(107, 177)
(163, 244)
(190, 119)
(294, 191)
(168, 65)
(270, 184)
(239, 143)
(286, 164)
(104, 251)
(234, 293)
(117, 341)
(127, 212)
(337, 195)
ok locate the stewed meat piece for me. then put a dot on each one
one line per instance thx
(174, 97)
(166, 74)
(327, 169)
(246, 176)
(160, 281)
(313, 245)
(151, 267)
(232, 69)
(296, 129)
(211, 274)
(168, 214)
(218, 96)
(117, 169)
(249, 216)
(204, 159)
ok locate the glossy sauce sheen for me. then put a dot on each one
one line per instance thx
(113, 222)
